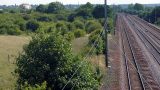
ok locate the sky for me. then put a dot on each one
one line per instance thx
(13, 2)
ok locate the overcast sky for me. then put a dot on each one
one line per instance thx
(12, 2)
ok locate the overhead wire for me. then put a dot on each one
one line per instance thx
(81, 63)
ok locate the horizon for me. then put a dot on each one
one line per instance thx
(76, 2)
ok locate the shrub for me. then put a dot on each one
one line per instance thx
(97, 41)
(8, 27)
(79, 33)
(61, 28)
(26, 17)
(44, 18)
(71, 26)
(61, 17)
(49, 58)
(110, 25)
(69, 36)
(78, 24)
(14, 32)
(92, 25)
(32, 25)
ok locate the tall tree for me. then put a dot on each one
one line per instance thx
(155, 14)
(138, 7)
(41, 8)
(98, 11)
(130, 6)
(85, 10)
(55, 7)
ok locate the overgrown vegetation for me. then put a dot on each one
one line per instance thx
(50, 17)
(48, 61)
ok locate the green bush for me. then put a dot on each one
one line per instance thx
(49, 58)
(71, 26)
(96, 41)
(62, 28)
(60, 17)
(10, 29)
(26, 17)
(32, 25)
(11, 24)
(14, 32)
(79, 33)
(110, 25)
(92, 25)
(69, 36)
(78, 24)
(44, 19)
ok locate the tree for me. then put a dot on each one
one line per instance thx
(130, 6)
(98, 11)
(85, 10)
(138, 7)
(155, 14)
(49, 58)
(41, 8)
(32, 25)
(55, 7)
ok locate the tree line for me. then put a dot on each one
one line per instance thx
(150, 14)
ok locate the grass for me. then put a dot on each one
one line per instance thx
(79, 43)
(10, 46)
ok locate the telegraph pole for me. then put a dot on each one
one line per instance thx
(155, 14)
(106, 31)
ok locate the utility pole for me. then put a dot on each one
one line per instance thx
(106, 31)
(155, 14)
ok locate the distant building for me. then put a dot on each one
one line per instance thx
(25, 6)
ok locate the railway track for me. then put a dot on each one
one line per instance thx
(153, 48)
(152, 27)
(139, 76)
(134, 79)
(149, 31)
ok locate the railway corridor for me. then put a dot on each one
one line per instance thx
(140, 52)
